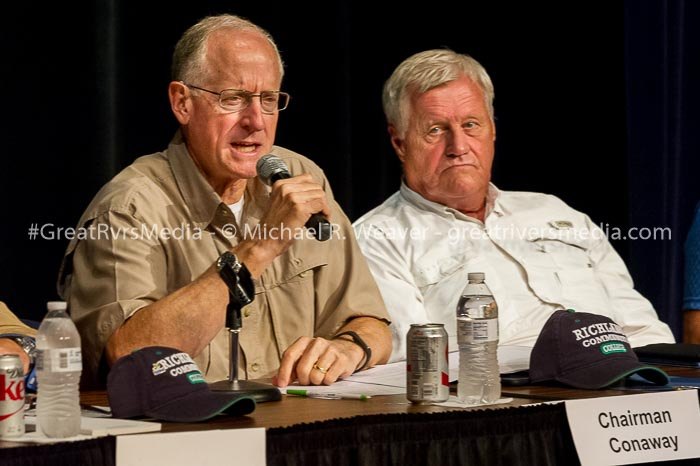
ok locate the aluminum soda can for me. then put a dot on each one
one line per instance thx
(427, 372)
(11, 396)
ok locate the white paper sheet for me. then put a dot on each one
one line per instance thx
(390, 379)
(513, 358)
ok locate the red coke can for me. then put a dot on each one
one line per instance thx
(11, 396)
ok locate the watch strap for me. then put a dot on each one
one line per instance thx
(359, 342)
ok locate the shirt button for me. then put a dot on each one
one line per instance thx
(246, 312)
(254, 367)
(297, 261)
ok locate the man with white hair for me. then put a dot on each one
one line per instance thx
(447, 220)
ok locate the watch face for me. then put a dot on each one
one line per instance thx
(228, 259)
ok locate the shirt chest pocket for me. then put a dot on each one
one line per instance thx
(561, 254)
(432, 269)
(561, 271)
(296, 270)
(441, 279)
(288, 290)
(297, 264)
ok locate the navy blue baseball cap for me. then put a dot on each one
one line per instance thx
(166, 384)
(586, 350)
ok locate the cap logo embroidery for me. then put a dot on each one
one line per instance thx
(598, 333)
(180, 363)
(608, 348)
(195, 377)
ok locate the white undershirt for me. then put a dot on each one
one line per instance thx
(237, 209)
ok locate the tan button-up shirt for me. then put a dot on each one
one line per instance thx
(158, 225)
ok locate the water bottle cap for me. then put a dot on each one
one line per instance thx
(476, 276)
(56, 306)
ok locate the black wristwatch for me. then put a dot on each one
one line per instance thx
(237, 277)
(359, 342)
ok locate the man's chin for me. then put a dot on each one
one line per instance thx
(466, 183)
(458, 191)
(242, 169)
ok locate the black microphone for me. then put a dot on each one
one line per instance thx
(271, 168)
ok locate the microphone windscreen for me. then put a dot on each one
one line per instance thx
(271, 168)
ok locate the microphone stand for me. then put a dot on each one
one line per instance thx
(258, 391)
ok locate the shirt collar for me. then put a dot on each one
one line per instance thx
(493, 204)
(199, 195)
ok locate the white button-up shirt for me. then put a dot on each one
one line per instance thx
(538, 255)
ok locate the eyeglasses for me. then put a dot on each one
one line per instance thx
(235, 100)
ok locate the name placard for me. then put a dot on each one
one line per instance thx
(206, 447)
(636, 428)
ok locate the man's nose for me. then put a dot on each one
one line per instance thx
(458, 143)
(252, 116)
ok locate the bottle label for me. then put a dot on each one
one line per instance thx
(60, 360)
(477, 331)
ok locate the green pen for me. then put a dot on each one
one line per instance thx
(328, 396)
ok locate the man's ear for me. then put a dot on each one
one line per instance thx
(179, 96)
(397, 142)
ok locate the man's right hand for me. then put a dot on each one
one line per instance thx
(292, 202)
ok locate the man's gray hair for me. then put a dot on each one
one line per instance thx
(425, 71)
(190, 52)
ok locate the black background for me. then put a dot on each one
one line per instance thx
(594, 103)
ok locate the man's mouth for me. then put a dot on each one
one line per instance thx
(462, 165)
(245, 147)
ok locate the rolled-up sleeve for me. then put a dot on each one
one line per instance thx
(632, 311)
(115, 272)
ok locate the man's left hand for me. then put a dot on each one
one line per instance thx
(317, 361)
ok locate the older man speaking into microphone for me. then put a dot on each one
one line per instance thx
(316, 315)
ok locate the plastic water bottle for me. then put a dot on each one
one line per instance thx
(58, 368)
(477, 336)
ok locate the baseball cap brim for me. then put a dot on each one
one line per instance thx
(202, 405)
(606, 372)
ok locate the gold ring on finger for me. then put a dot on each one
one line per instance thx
(322, 370)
